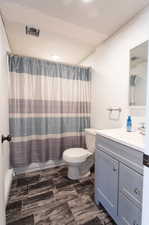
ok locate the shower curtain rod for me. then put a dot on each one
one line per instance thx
(67, 64)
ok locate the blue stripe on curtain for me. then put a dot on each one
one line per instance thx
(41, 126)
(46, 68)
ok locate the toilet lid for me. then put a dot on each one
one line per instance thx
(76, 155)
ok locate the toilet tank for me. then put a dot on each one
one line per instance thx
(90, 137)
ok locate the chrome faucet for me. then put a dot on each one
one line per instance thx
(142, 128)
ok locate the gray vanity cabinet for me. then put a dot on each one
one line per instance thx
(107, 181)
(119, 180)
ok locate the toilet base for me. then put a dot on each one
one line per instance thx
(74, 173)
(86, 175)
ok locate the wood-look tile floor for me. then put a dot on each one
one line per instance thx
(48, 197)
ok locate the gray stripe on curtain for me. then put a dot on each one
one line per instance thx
(40, 106)
(43, 125)
(41, 150)
(46, 68)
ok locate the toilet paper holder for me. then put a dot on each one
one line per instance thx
(111, 109)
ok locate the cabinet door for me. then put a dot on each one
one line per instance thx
(106, 170)
(129, 213)
(131, 184)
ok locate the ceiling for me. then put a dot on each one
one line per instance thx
(70, 29)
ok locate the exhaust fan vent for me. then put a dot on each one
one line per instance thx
(32, 31)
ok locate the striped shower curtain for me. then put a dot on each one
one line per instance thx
(49, 109)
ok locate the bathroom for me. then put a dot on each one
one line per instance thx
(71, 74)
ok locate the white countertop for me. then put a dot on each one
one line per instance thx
(131, 139)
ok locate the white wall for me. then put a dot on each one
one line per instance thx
(4, 121)
(110, 64)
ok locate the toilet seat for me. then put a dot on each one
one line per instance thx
(76, 155)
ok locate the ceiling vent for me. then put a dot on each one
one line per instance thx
(32, 31)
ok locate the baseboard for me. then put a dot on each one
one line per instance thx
(8, 181)
(39, 166)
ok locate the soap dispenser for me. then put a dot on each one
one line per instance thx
(129, 124)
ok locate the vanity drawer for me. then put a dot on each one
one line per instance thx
(123, 153)
(131, 184)
(128, 213)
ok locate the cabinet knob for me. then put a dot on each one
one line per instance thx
(114, 168)
(135, 223)
(136, 191)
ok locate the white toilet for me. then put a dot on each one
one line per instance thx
(80, 160)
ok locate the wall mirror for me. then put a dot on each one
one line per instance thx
(138, 75)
